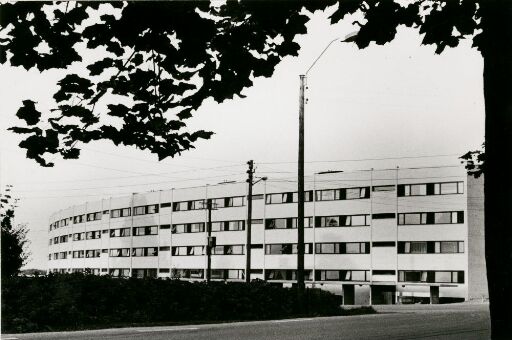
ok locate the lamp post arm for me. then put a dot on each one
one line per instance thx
(321, 54)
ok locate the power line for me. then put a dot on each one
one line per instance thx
(132, 185)
(367, 159)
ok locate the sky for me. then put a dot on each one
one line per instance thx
(385, 106)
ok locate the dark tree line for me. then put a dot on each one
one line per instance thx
(14, 237)
(158, 62)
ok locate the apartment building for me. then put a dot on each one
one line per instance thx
(377, 236)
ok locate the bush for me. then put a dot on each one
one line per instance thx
(78, 301)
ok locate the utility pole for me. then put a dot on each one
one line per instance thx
(210, 242)
(300, 182)
(250, 173)
(300, 199)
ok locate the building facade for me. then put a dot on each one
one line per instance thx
(376, 236)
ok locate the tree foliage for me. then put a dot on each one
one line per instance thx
(14, 238)
(474, 162)
(156, 63)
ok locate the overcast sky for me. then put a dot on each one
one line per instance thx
(394, 101)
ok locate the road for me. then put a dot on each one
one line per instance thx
(458, 321)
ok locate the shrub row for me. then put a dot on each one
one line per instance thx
(78, 301)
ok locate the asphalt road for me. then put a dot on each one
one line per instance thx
(460, 321)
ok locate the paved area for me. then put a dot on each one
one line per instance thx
(458, 321)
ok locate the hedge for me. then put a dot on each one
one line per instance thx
(77, 301)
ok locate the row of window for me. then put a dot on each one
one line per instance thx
(446, 217)
(114, 213)
(234, 249)
(430, 276)
(412, 276)
(430, 247)
(135, 252)
(216, 203)
(447, 188)
(404, 247)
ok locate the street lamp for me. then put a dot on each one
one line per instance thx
(300, 184)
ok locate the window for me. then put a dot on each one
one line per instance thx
(122, 232)
(92, 235)
(196, 205)
(342, 275)
(120, 212)
(187, 273)
(356, 193)
(195, 250)
(228, 226)
(180, 206)
(79, 219)
(148, 251)
(327, 195)
(286, 248)
(327, 248)
(78, 236)
(383, 244)
(257, 197)
(166, 205)
(450, 217)
(416, 247)
(144, 231)
(164, 270)
(343, 221)
(287, 223)
(380, 188)
(257, 221)
(235, 201)
(431, 276)
(120, 252)
(146, 209)
(78, 254)
(288, 197)
(383, 272)
(165, 248)
(430, 247)
(93, 253)
(63, 239)
(196, 227)
(142, 273)
(188, 251)
(179, 251)
(383, 216)
(355, 248)
(165, 226)
(227, 274)
(228, 250)
(446, 188)
(119, 272)
(286, 275)
(343, 248)
(343, 194)
(139, 211)
(94, 216)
